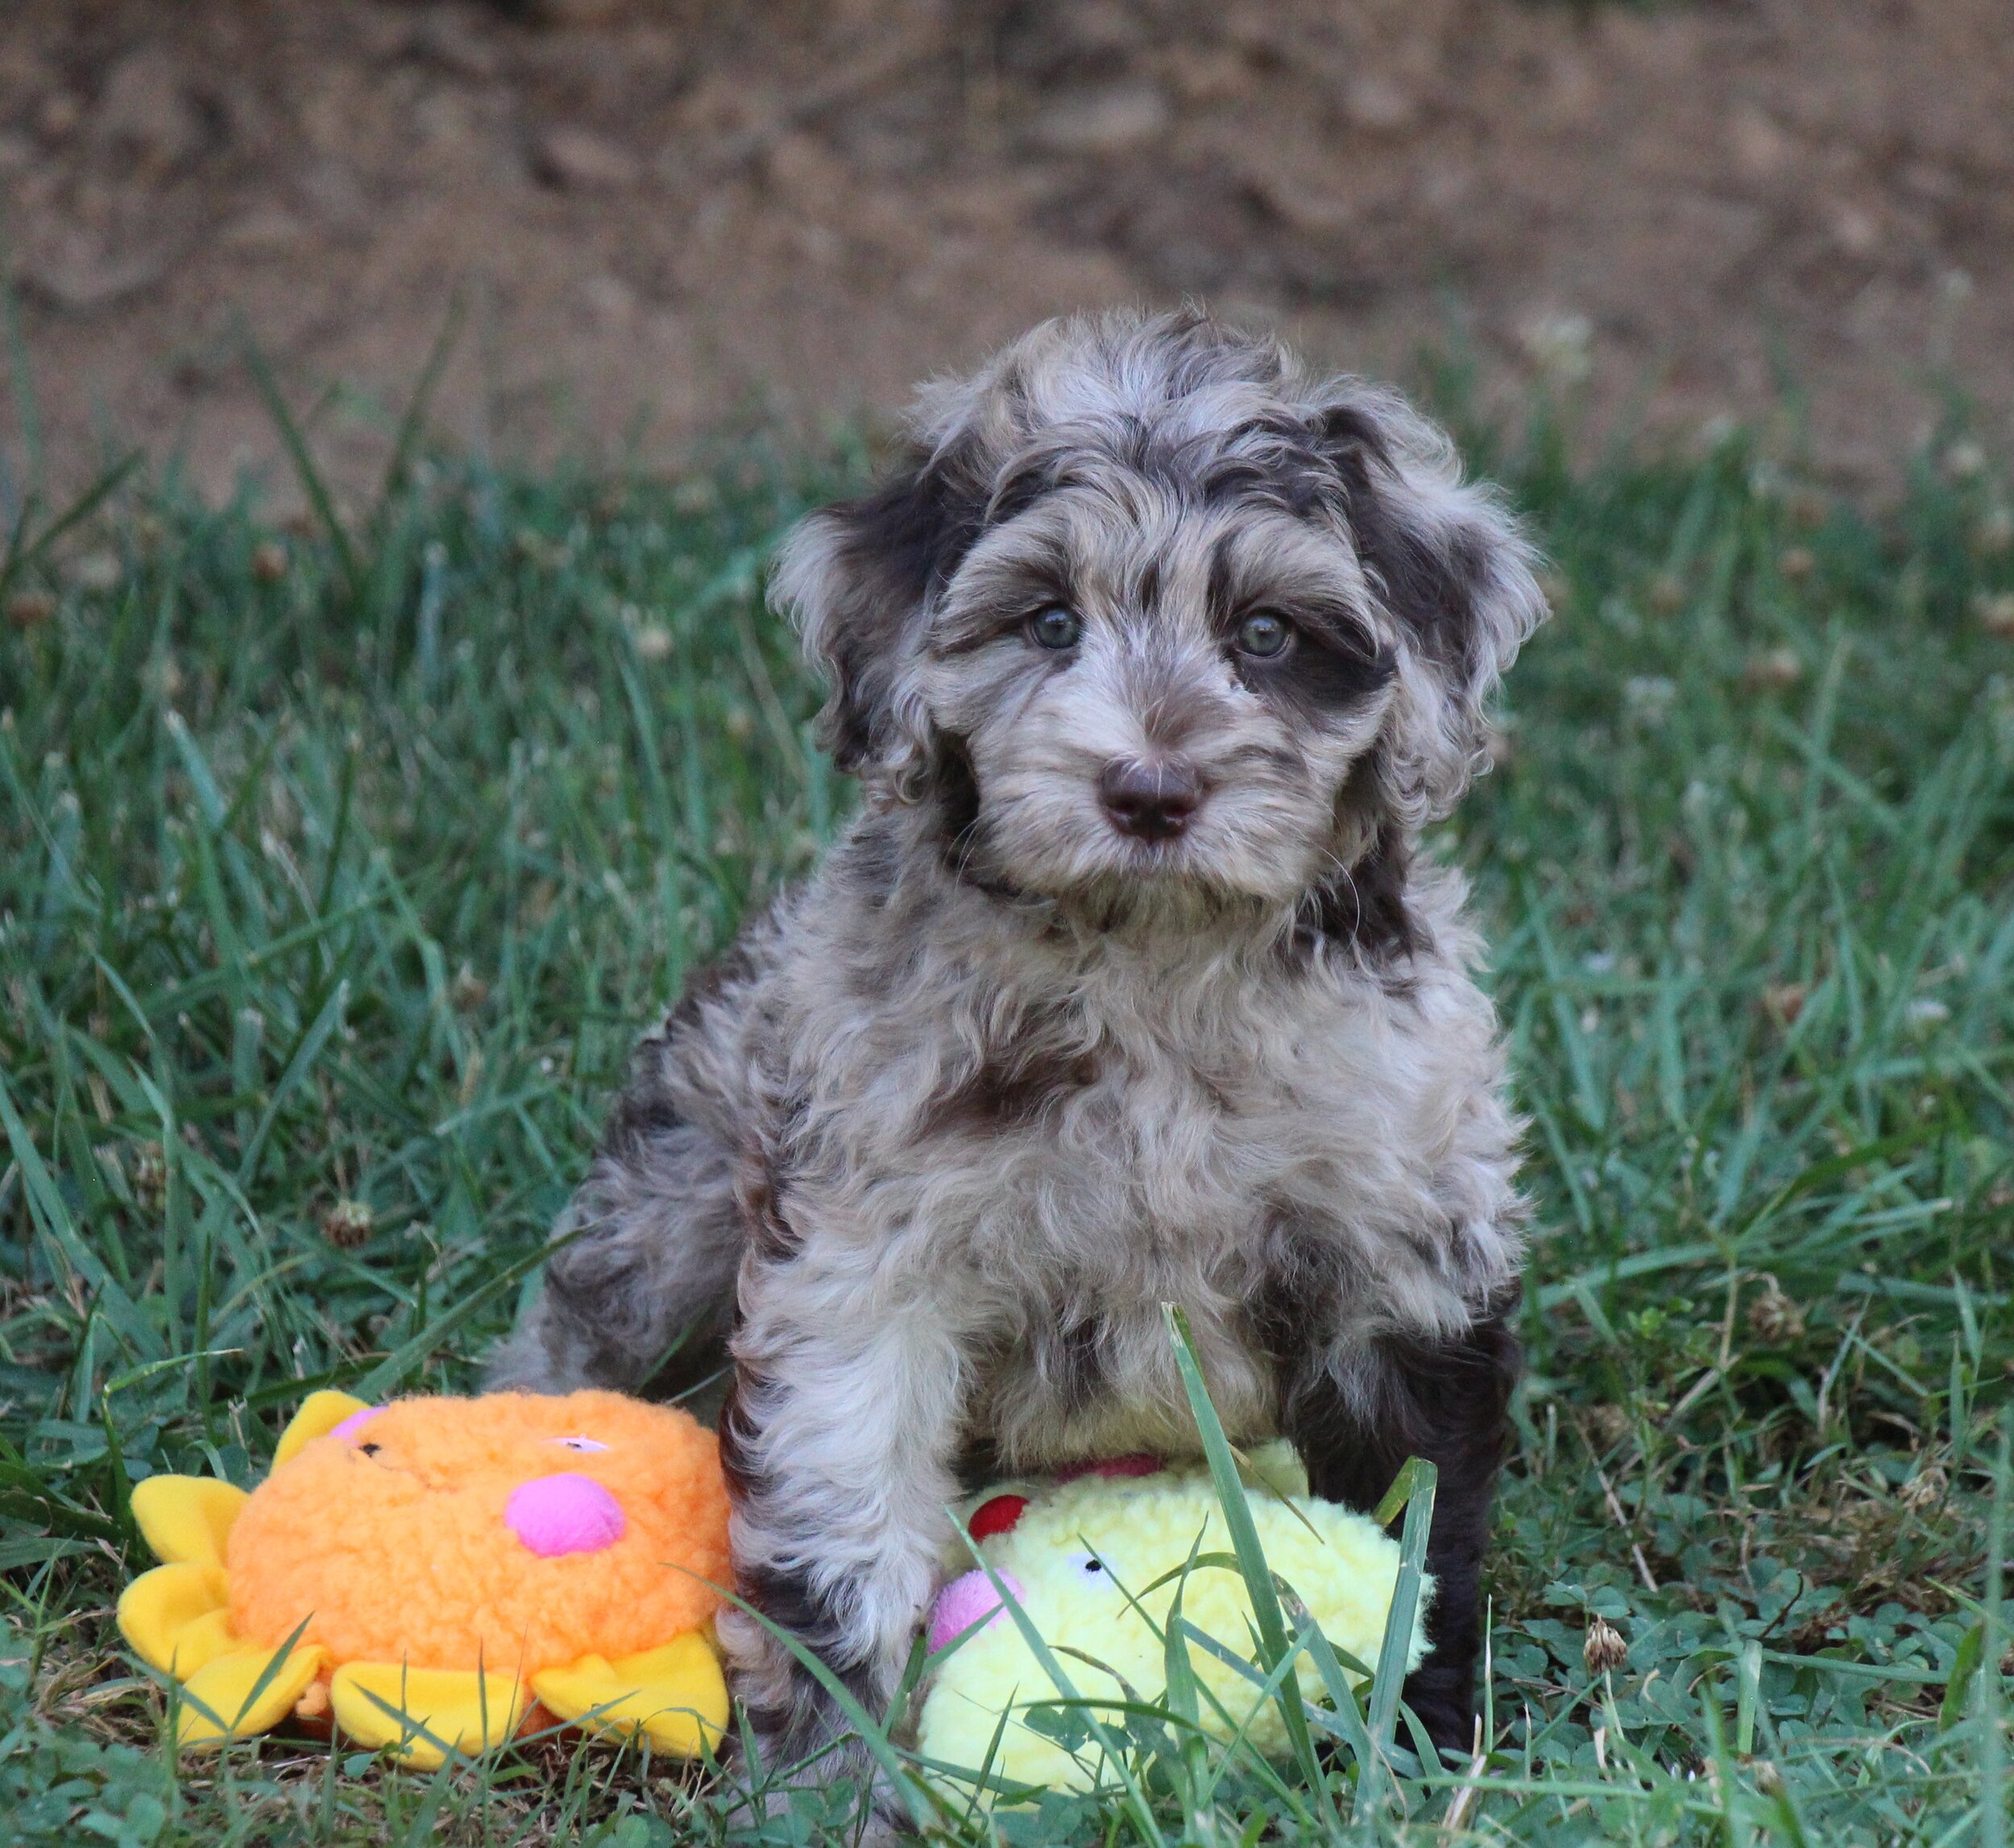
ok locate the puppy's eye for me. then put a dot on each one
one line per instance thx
(369, 1449)
(1264, 634)
(1054, 627)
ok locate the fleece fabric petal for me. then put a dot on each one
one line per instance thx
(187, 1519)
(320, 1414)
(675, 1696)
(246, 1692)
(177, 1617)
(421, 1713)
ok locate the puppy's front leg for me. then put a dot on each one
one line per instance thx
(838, 1442)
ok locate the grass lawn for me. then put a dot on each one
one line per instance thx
(337, 873)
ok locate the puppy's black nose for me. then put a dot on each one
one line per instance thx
(1150, 801)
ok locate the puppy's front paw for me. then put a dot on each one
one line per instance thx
(812, 1747)
(803, 1737)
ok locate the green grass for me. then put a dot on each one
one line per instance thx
(336, 876)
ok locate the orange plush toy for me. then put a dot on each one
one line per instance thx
(426, 1572)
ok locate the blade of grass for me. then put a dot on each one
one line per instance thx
(22, 551)
(1245, 1541)
(305, 472)
(1992, 1753)
(412, 423)
(1396, 1647)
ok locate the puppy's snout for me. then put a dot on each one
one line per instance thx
(1149, 801)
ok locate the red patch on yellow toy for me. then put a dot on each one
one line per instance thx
(427, 1569)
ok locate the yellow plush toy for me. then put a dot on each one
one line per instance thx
(1069, 1554)
(442, 1568)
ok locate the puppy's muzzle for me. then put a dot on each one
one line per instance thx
(1150, 801)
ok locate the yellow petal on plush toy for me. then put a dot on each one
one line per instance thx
(223, 1699)
(675, 1696)
(205, 1639)
(186, 1519)
(416, 1712)
(320, 1414)
(178, 1618)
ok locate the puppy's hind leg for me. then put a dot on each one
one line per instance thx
(639, 1288)
(1447, 1402)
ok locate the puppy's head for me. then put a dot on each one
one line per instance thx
(1143, 611)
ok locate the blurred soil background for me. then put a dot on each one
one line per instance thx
(670, 220)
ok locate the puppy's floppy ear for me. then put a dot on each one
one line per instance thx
(1451, 565)
(857, 578)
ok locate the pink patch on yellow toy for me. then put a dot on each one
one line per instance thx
(970, 1600)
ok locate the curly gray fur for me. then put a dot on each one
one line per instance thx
(932, 1152)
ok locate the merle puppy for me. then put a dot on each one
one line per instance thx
(1127, 986)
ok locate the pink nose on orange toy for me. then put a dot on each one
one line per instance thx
(564, 1514)
(968, 1600)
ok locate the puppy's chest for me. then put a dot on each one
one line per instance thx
(1141, 1153)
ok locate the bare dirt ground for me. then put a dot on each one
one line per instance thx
(669, 219)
